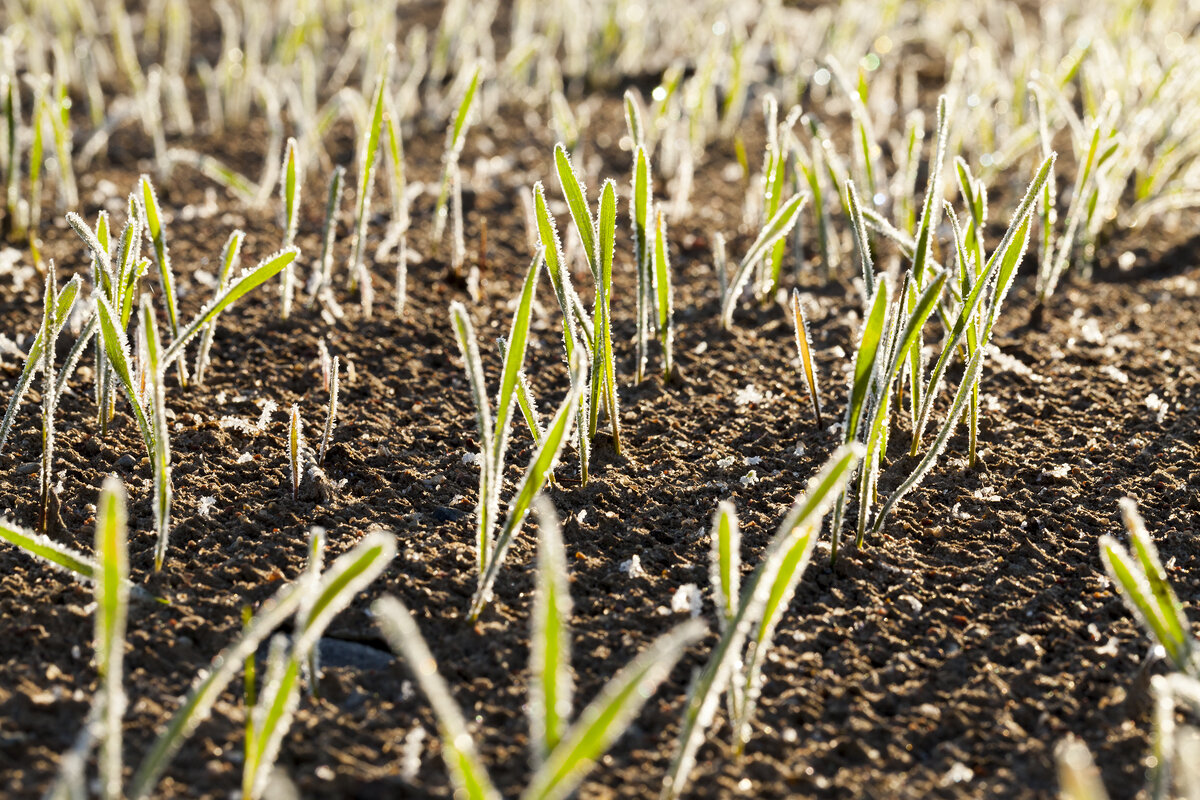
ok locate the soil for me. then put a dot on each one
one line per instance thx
(946, 659)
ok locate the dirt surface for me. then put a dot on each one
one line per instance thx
(946, 659)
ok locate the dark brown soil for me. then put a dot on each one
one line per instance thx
(946, 659)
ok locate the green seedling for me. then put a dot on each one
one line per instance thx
(775, 229)
(663, 295)
(565, 752)
(331, 412)
(230, 257)
(359, 276)
(295, 448)
(752, 618)
(456, 137)
(576, 340)
(289, 190)
(804, 349)
(640, 213)
(152, 375)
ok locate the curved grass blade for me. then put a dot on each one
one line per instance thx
(865, 358)
(1003, 254)
(802, 520)
(970, 376)
(576, 194)
(859, 229)
(359, 277)
(550, 682)
(248, 280)
(1144, 588)
(454, 146)
(514, 359)
(804, 348)
(45, 549)
(336, 588)
(116, 349)
(776, 228)
(464, 332)
(541, 465)
(607, 717)
(466, 769)
(207, 689)
(33, 359)
(152, 215)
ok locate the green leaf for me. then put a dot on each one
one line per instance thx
(576, 196)
(462, 759)
(550, 682)
(541, 465)
(607, 717)
(154, 227)
(247, 281)
(802, 520)
(725, 563)
(112, 607)
(804, 348)
(514, 359)
(775, 229)
(864, 359)
(464, 332)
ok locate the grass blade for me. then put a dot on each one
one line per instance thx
(802, 520)
(804, 348)
(775, 229)
(466, 769)
(112, 606)
(576, 194)
(247, 281)
(464, 332)
(550, 683)
(541, 465)
(161, 457)
(607, 717)
(664, 302)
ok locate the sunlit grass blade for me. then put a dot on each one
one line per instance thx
(331, 412)
(456, 138)
(348, 575)
(295, 445)
(775, 229)
(550, 681)
(458, 749)
(152, 215)
(540, 467)
(230, 256)
(663, 295)
(359, 276)
(864, 360)
(1144, 588)
(860, 238)
(607, 717)
(49, 334)
(57, 555)
(329, 596)
(116, 349)
(804, 349)
(802, 521)
(576, 195)
(33, 359)
(112, 606)
(604, 382)
(249, 279)
(161, 457)
(725, 563)
(1004, 257)
(323, 272)
(289, 189)
(514, 359)
(1078, 778)
(464, 332)
(970, 376)
(639, 213)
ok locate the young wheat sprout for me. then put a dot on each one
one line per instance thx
(331, 414)
(295, 450)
